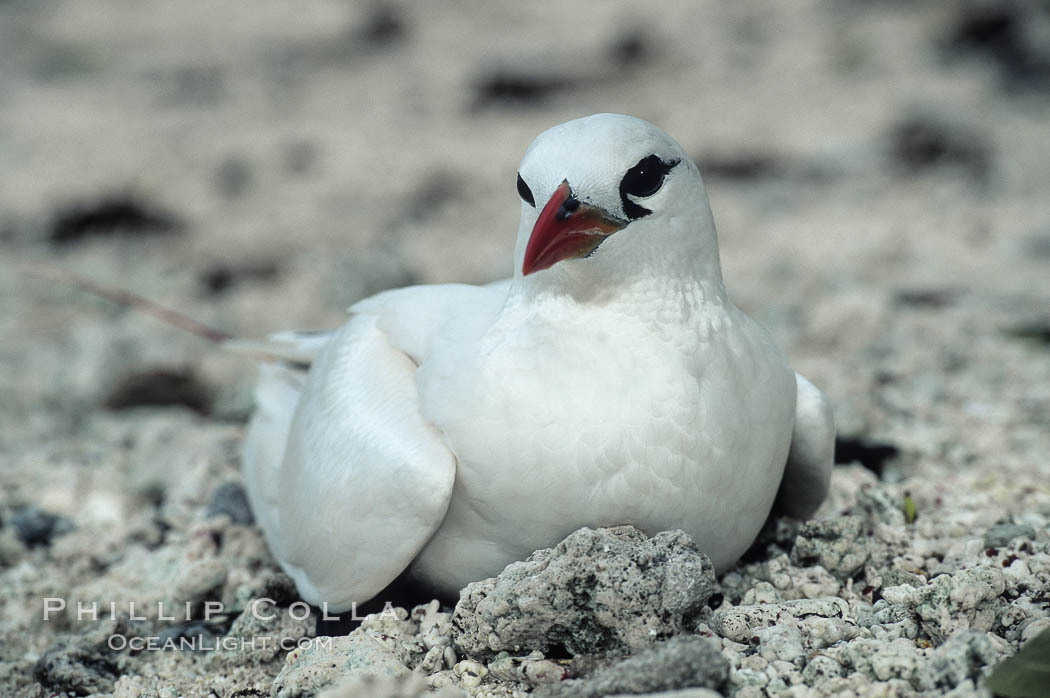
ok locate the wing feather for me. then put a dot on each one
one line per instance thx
(807, 474)
(363, 482)
(276, 397)
(347, 478)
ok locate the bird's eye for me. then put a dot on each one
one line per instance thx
(645, 178)
(642, 180)
(525, 193)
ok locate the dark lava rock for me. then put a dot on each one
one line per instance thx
(384, 25)
(921, 142)
(220, 277)
(776, 538)
(603, 592)
(511, 88)
(632, 48)
(925, 298)
(1036, 332)
(123, 213)
(1009, 33)
(280, 589)
(870, 453)
(77, 670)
(229, 499)
(160, 387)
(741, 166)
(36, 527)
(83, 664)
(686, 661)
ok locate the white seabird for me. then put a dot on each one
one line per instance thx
(453, 429)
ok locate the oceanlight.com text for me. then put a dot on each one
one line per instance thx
(119, 642)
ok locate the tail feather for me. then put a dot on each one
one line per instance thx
(128, 300)
(295, 348)
(276, 397)
(285, 359)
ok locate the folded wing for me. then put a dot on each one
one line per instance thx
(347, 479)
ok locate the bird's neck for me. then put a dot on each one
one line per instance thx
(636, 272)
(647, 291)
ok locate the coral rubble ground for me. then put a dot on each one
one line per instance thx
(878, 174)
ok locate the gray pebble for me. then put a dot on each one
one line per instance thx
(949, 604)
(895, 577)
(229, 499)
(260, 620)
(83, 664)
(838, 545)
(740, 623)
(880, 506)
(820, 669)
(410, 686)
(781, 643)
(36, 527)
(962, 657)
(355, 656)
(72, 668)
(881, 661)
(686, 661)
(604, 591)
(1000, 535)
(200, 581)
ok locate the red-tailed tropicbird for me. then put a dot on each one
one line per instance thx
(453, 429)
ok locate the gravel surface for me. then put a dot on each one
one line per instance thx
(878, 174)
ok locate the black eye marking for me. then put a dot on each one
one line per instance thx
(567, 208)
(642, 180)
(525, 193)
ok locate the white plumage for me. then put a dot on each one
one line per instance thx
(456, 428)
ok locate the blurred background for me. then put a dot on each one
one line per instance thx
(878, 172)
(261, 169)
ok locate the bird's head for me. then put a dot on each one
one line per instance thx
(609, 195)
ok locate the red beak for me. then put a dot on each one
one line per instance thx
(567, 229)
